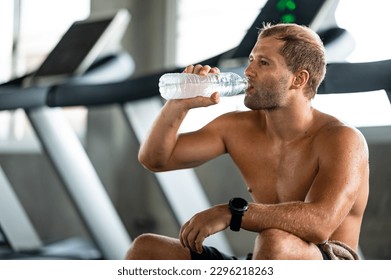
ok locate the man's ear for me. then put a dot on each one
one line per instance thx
(300, 79)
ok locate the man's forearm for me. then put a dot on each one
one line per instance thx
(294, 217)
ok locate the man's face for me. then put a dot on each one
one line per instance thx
(268, 76)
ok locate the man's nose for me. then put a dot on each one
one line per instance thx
(248, 72)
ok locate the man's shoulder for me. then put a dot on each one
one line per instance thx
(332, 132)
(234, 117)
(332, 126)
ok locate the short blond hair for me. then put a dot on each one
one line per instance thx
(303, 50)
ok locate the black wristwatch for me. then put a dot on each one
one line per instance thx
(238, 207)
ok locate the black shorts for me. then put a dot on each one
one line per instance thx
(211, 253)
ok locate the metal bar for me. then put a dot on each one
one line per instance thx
(14, 222)
(81, 181)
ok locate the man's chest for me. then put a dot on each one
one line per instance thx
(277, 174)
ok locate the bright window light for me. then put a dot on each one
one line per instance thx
(369, 23)
(206, 28)
(6, 12)
(42, 23)
(361, 109)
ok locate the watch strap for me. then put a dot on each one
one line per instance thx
(236, 221)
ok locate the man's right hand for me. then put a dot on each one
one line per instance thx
(200, 101)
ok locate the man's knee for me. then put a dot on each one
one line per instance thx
(142, 246)
(150, 246)
(275, 244)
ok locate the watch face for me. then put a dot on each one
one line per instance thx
(238, 204)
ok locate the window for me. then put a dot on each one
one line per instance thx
(6, 18)
(36, 26)
(42, 23)
(207, 28)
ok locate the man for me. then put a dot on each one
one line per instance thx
(306, 171)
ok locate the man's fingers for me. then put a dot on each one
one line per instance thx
(205, 70)
(201, 69)
(189, 69)
(191, 239)
(215, 70)
(197, 69)
(188, 237)
(198, 243)
(215, 98)
(183, 235)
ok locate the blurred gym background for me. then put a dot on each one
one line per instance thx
(160, 35)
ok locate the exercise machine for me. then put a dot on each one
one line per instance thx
(88, 39)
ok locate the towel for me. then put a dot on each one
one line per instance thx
(337, 250)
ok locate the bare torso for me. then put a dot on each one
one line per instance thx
(284, 172)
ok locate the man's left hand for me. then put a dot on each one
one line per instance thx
(203, 224)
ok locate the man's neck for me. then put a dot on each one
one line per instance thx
(289, 123)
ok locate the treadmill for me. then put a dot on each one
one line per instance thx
(91, 38)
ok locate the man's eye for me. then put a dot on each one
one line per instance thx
(263, 62)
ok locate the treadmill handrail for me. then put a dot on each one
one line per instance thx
(356, 77)
(13, 97)
(340, 78)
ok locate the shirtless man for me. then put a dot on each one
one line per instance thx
(306, 171)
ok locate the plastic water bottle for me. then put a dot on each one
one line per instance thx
(184, 85)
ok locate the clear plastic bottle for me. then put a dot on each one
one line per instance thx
(184, 85)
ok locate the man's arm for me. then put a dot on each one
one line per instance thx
(343, 171)
(164, 149)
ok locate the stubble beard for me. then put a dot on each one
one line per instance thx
(267, 96)
(264, 100)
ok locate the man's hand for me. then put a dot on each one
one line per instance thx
(201, 70)
(200, 101)
(203, 224)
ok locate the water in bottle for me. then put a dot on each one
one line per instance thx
(185, 85)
